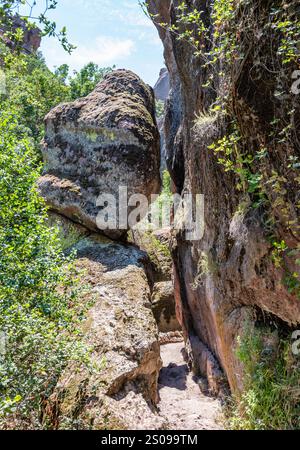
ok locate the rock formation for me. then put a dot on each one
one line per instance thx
(229, 279)
(31, 36)
(163, 307)
(224, 128)
(93, 146)
(162, 86)
(121, 332)
(157, 246)
(161, 92)
(99, 143)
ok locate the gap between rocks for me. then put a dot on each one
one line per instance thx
(182, 403)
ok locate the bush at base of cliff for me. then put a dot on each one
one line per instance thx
(38, 301)
(271, 396)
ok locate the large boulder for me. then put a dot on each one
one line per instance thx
(99, 143)
(164, 308)
(121, 333)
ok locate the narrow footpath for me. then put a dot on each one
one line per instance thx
(182, 403)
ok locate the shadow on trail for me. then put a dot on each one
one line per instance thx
(174, 376)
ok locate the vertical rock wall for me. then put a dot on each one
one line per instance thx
(228, 279)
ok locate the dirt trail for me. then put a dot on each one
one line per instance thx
(182, 403)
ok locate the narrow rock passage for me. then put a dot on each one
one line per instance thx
(182, 403)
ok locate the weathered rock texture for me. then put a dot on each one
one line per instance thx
(99, 143)
(240, 278)
(182, 402)
(157, 246)
(122, 334)
(161, 92)
(162, 86)
(31, 36)
(163, 307)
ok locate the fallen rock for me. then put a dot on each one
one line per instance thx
(203, 362)
(123, 337)
(99, 143)
(163, 307)
(171, 337)
(128, 410)
(157, 245)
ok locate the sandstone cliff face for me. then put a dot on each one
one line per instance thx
(99, 143)
(229, 279)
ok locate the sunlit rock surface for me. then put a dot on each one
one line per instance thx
(99, 143)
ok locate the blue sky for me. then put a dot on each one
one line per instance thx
(106, 32)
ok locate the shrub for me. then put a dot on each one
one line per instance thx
(85, 81)
(39, 311)
(271, 394)
(32, 91)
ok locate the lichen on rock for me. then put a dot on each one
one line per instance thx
(120, 332)
(99, 143)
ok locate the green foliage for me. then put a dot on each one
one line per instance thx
(49, 28)
(39, 310)
(165, 200)
(292, 283)
(155, 247)
(231, 156)
(286, 24)
(278, 249)
(192, 28)
(270, 399)
(261, 186)
(205, 267)
(85, 81)
(166, 184)
(264, 37)
(160, 108)
(290, 279)
(32, 90)
(160, 209)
